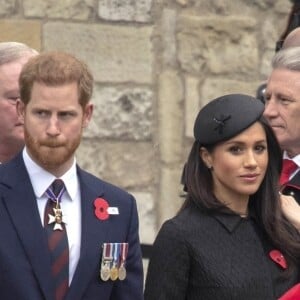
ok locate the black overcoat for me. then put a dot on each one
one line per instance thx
(222, 256)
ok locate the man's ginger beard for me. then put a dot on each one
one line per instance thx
(50, 154)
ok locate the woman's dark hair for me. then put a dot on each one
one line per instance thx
(265, 202)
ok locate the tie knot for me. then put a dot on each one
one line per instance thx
(288, 167)
(56, 189)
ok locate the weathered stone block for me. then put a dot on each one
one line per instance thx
(214, 87)
(170, 190)
(72, 9)
(170, 114)
(91, 156)
(126, 10)
(114, 53)
(23, 31)
(265, 66)
(147, 216)
(192, 100)
(281, 6)
(183, 2)
(169, 18)
(263, 4)
(127, 165)
(122, 113)
(7, 7)
(212, 44)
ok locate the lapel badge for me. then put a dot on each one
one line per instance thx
(278, 258)
(103, 210)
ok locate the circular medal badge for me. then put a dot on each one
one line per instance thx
(114, 273)
(122, 272)
(105, 273)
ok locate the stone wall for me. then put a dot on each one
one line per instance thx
(155, 63)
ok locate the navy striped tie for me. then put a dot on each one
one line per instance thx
(57, 240)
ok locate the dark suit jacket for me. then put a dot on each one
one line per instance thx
(293, 187)
(24, 258)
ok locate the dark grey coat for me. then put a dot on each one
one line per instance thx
(197, 256)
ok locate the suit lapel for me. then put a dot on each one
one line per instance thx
(295, 181)
(94, 233)
(22, 208)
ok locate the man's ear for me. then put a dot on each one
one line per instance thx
(87, 114)
(20, 107)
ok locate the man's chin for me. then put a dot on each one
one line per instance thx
(280, 132)
(52, 159)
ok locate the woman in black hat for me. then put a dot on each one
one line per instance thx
(230, 239)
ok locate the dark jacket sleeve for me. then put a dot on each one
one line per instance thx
(167, 276)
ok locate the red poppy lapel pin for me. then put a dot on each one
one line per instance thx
(278, 258)
(103, 210)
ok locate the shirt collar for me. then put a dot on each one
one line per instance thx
(41, 179)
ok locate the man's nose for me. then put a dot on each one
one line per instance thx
(53, 126)
(271, 109)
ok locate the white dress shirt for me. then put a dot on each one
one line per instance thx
(70, 203)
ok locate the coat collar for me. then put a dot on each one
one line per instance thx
(231, 221)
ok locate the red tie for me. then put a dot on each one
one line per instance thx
(287, 169)
(57, 241)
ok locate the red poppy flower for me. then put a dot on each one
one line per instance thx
(101, 207)
(277, 256)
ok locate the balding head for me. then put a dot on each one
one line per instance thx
(292, 39)
(14, 51)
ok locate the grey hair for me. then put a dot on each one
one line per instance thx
(288, 58)
(12, 51)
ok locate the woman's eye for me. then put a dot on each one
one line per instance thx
(235, 150)
(260, 148)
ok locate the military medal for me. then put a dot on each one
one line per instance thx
(122, 270)
(58, 218)
(105, 271)
(106, 261)
(114, 271)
